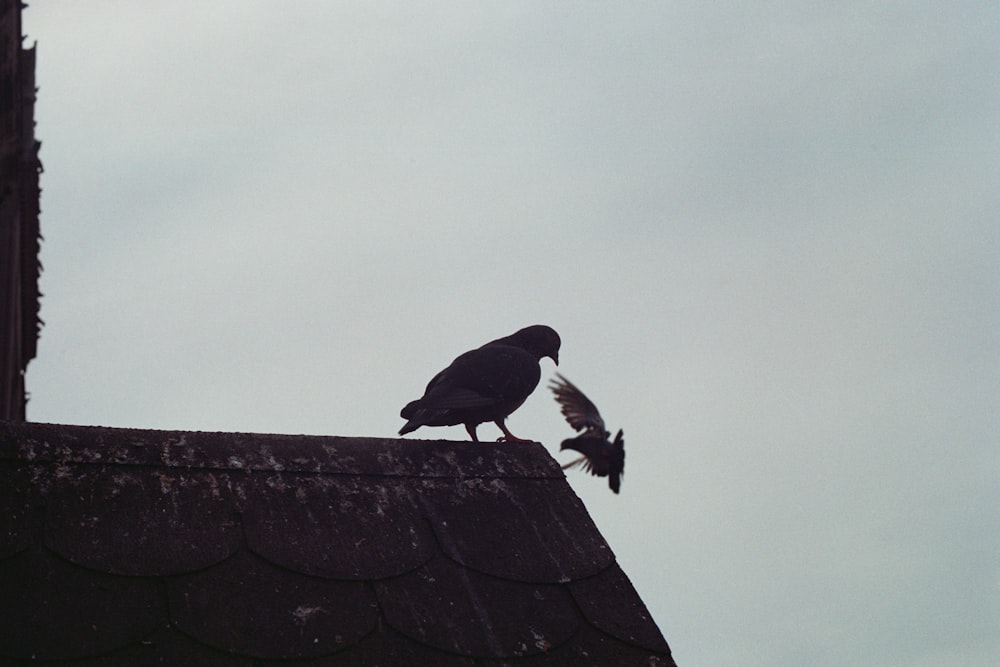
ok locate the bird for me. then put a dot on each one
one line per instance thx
(486, 384)
(601, 456)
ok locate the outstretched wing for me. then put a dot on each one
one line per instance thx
(576, 407)
(582, 462)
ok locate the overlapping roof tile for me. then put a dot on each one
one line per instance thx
(130, 547)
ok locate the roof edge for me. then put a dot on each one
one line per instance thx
(35, 442)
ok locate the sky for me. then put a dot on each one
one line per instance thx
(767, 233)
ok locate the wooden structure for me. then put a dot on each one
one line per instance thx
(19, 195)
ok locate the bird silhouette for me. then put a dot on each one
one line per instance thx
(485, 384)
(601, 456)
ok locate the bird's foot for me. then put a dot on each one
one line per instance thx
(512, 438)
(507, 435)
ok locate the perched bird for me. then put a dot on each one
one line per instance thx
(485, 384)
(601, 456)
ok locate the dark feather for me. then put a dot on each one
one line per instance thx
(601, 456)
(485, 384)
(578, 410)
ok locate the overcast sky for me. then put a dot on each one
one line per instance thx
(767, 232)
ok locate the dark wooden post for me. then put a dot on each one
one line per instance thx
(19, 231)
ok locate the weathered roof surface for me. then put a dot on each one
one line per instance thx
(131, 547)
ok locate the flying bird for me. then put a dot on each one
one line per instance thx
(601, 456)
(486, 384)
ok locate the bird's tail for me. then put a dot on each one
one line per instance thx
(615, 482)
(413, 414)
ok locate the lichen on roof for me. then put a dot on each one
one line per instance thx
(131, 546)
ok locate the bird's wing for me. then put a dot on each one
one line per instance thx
(576, 407)
(447, 395)
(478, 378)
(619, 450)
(501, 373)
(582, 462)
(617, 462)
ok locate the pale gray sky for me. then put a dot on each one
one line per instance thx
(767, 233)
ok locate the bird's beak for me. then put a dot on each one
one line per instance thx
(555, 358)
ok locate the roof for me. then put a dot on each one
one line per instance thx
(121, 546)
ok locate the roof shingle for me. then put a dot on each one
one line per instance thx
(121, 546)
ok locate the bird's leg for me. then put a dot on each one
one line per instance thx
(507, 435)
(471, 428)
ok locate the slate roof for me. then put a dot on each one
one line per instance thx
(135, 547)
